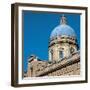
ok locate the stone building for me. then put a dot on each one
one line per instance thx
(64, 55)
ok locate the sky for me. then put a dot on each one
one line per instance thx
(37, 27)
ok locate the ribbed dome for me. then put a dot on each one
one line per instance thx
(62, 29)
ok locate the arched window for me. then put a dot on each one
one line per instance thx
(31, 68)
(61, 54)
(51, 54)
(31, 71)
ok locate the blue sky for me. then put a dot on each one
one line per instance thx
(37, 29)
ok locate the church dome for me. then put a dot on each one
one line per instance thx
(63, 29)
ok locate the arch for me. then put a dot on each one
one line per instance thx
(61, 54)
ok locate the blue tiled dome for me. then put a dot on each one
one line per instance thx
(62, 29)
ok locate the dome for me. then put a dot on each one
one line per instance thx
(63, 29)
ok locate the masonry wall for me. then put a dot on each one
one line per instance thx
(73, 69)
(67, 66)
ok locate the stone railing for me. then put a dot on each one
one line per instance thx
(62, 40)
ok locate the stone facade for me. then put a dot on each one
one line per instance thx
(66, 66)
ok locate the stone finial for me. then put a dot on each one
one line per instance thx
(63, 20)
